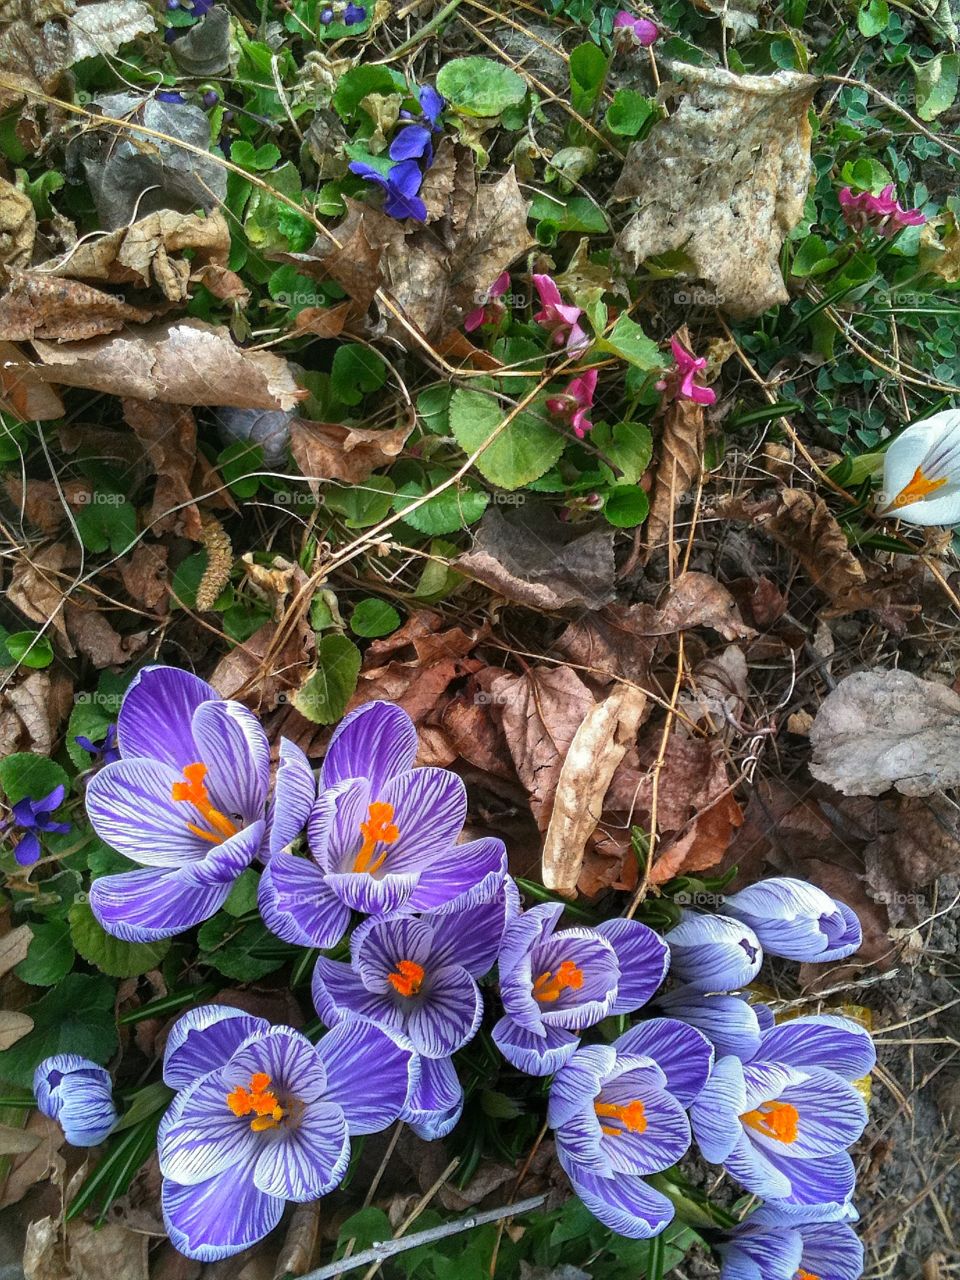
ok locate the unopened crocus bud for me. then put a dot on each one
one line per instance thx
(78, 1094)
(796, 920)
(713, 952)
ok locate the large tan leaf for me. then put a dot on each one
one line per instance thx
(18, 227)
(38, 305)
(330, 451)
(102, 28)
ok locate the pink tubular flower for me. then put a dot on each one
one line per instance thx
(572, 406)
(680, 384)
(560, 319)
(633, 32)
(882, 212)
(490, 311)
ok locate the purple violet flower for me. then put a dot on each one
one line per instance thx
(31, 816)
(415, 140)
(382, 836)
(186, 799)
(781, 1122)
(713, 952)
(78, 1094)
(555, 985)
(618, 1112)
(796, 920)
(104, 750)
(353, 14)
(401, 184)
(793, 1242)
(262, 1116)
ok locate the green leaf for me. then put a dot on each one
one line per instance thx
(813, 258)
(455, 508)
(108, 954)
(243, 952)
(186, 580)
(89, 720)
(76, 1016)
(588, 71)
(243, 896)
(235, 464)
(627, 340)
(50, 955)
(480, 86)
(24, 774)
(433, 407)
(257, 159)
(354, 85)
(937, 82)
(108, 522)
(270, 224)
(145, 1102)
(438, 579)
(873, 17)
(574, 213)
(30, 649)
(372, 618)
(524, 450)
(629, 112)
(626, 506)
(356, 371)
(323, 698)
(628, 445)
(364, 504)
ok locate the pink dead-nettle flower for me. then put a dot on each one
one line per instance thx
(572, 406)
(490, 310)
(562, 320)
(633, 32)
(882, 212)
(679, 384)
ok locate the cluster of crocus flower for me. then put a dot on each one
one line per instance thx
(883, 212)
(921, 472)
(263, 1116)
(411, 155)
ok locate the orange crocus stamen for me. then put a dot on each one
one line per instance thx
(378, 829)
(805, 1275)
(407, 978)
(258, 1101)
(548, 986)
(919, 487)
(631, 1115)
(194, 792)
(777, 1120)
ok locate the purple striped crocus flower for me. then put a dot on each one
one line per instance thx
(793, 1242)
(619, 1113)
(186, 799)
(796, 920)
(262, 1116)
(728, 1021)
(78, 1094)
(713, 953)
(555, 985)
(781, 1123)
(382, 837)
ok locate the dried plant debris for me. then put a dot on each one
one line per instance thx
(737, 151)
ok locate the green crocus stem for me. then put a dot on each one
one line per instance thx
(693, 1209)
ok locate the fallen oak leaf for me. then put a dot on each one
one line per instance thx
(37, 305)
(599, 744)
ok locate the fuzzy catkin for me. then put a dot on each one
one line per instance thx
(216, 542)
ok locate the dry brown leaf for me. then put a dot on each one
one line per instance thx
(300, 1240)
(181, 362)
(678, 473)
(33, 709)
(599, 744)
(36, 590)
(168, 433)
(273, 583)
(144, 575)
(619, 640)
(698, 600)
(348, 257)
(324, 322)
(16, 1142)
(882, 729)
(718, 691)
(43, 1162)
(38, 305)
(96, 638)
(737, 149)
(245, 672)
(331, 451)
(22, 393)
(32, 58)
(703, 845)
(13, 947)
(13, 1027)
(18, 228)
(41, 502)
(918, 841)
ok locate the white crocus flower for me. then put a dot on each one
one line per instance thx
(921, 472)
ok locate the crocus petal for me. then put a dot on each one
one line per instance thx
(339, 994)
(536, 1055)
(218, 1218)
(728, 1022)
(629, 1206)
(199, 1136)
(753, 1169)
(682, 1053)
(235, 750)
(832, 1116)
(131, 807)
(471, 936)
(306, 1161)
(294, 794)
(378, 946)
(371, 1099)
(437, 1102)
(715, 1114)
(157, 712)
(287, 1057)
(665, 1139)
(78, 1094)
(643, 957)
(831, 1249)
(429, 809)
(376, 741)
(578, 1082)
(203, 1039)
(755, 1254)
(829, 1180)
(448, 1015)
(713, 953)
(796, 920)
(462, 876)
(333, 828)
(370, 896)
(821, 1040)
(297, 905)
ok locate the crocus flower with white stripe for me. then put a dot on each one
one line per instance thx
(382, 837)
(78, 1094)
(796, 920)
(921, 472)
(713, 952)
(729, 1022)
(781, 1123)
(186, 800)
(262, 1116)
(555, 985)
(618, 1112)
(793, 1242)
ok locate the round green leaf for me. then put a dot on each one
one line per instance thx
(453, 509)
(522, 452)
(480, 86)
(75, 1016)
(30, 649)
(372, 618)
(50, 955)
(24, 774)
(108, 954)
(626, 506)
(324, 695)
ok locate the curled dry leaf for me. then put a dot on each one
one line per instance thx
(18, 228)
(678, 473)
(38, 305)
(599, 744)
(96, 638)
(33, 709)
(100, 29)
(14, 946)
(331, 451)
(698, 600)
(43, 1162)
(22, 393)
(882, 729)
(185, 362)
(348, 256)
(41, 503)
(737, 151)
(168, 433)
(37, 589)
(144, 575)
(262, 672)
(33, 60)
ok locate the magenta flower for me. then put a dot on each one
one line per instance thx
(633, 32)
(572, 406)
(490, 310)
(679, 384)
(562, 320)
(881, 212)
